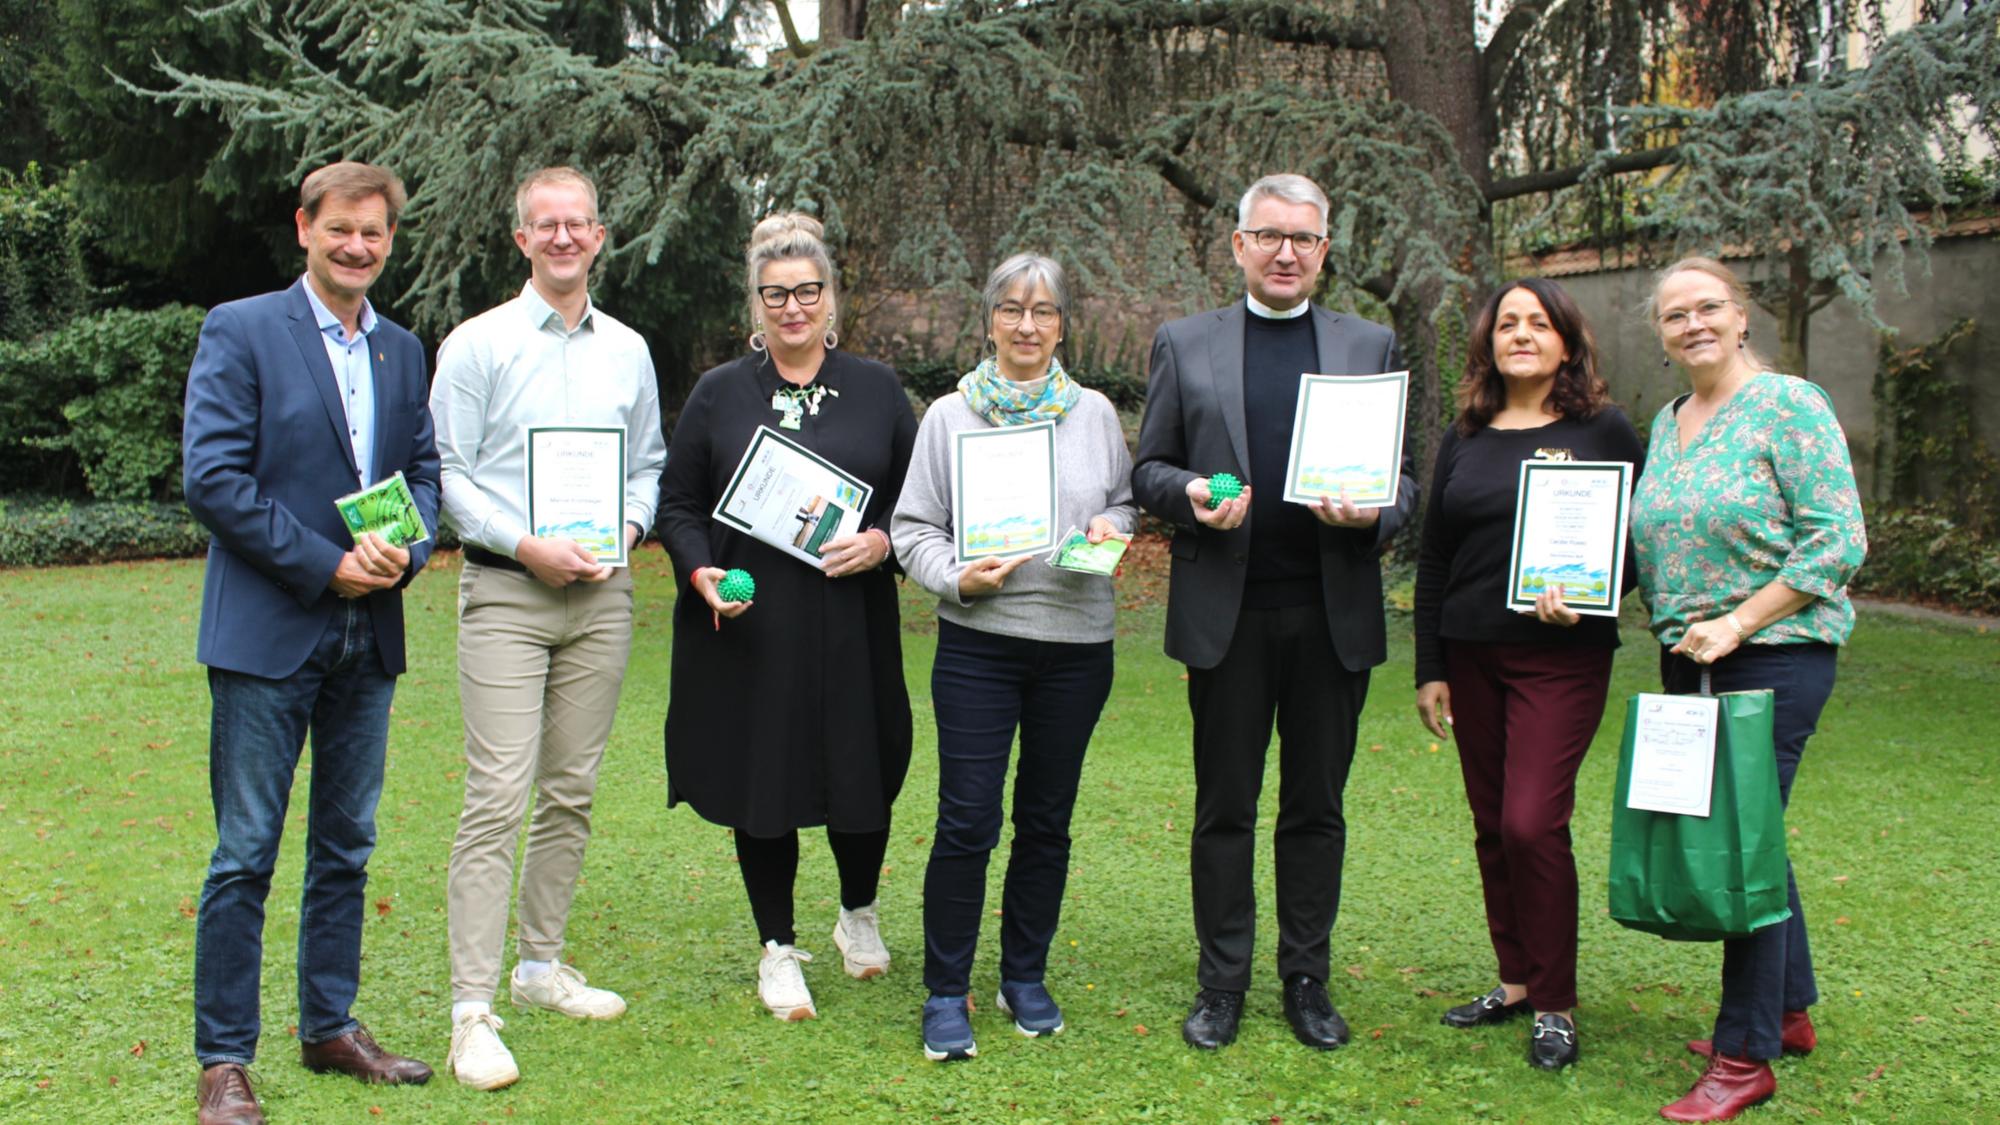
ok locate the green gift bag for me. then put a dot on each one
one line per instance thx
(1693, 878)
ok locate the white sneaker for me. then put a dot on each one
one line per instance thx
(562, 989)
(858, 936)
(478, 1057)
(782, 985)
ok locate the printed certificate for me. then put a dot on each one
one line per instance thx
(576, 487)
(1348, 433)
(1569, 531)
(1003, 491)
(1673, 754)
(788, 496)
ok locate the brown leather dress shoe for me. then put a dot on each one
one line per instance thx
(224, 1097)
(1797, 1037)
(355, 1053)
(1730, 1085)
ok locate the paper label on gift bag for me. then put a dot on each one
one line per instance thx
(1673, 754)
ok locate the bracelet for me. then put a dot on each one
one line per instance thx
(888, 548)
(1730, 617)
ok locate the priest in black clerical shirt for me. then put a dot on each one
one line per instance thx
(1275, 607)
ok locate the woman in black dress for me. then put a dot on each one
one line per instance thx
(789, 711)
(1522, 693)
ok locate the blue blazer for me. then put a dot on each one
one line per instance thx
(265, 453)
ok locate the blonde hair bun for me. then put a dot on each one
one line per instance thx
(784, 223)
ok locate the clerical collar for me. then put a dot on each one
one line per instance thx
(1259, 308)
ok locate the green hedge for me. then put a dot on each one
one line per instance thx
(1921, 554)
(99, 396)
(60, 532)
(38, 531)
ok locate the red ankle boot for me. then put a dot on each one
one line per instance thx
(1729, 1086)
(1796, 1037)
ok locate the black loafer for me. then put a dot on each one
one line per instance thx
(1488, 1009)
(1311, 1014)
(1553, 1045)
(1212, 1023)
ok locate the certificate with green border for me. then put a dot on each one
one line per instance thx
(1003, 491)
(1347, 434)
(576, 487)
(791, 498)
(1570, 520)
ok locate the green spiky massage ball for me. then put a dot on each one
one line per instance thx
(736, 586)
(1222, 487)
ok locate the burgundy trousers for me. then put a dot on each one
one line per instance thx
(1523, 717)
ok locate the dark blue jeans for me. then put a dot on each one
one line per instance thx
(1770, 972)
(984, 686)
(256, 731)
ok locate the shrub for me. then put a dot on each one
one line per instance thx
(43, 531)
(1921, 554)
(57, 532)
(106, 390)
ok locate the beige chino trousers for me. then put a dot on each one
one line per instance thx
(539, 671)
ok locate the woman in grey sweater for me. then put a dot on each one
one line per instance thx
(1021, 644)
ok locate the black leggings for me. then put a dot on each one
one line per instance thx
(771, 866)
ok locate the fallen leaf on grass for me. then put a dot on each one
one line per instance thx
(382, 907)
(1376, 1032)
(1141, 1029)
(139, 1049)
(187, 907)
(1840, 921)
(1355, 972)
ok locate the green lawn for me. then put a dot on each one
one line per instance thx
(105, 831)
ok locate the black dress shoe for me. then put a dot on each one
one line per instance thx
(1212, 1023)
(1553, 1044)
(1490, 1008)
(1311, 1014)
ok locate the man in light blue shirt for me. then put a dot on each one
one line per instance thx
(352, 376)
(544, 626)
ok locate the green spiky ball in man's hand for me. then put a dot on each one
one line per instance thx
(1223, 487)
(736, 586)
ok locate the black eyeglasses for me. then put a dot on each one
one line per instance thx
(805, 292)
(1268, 240)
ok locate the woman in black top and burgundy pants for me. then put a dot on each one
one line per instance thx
(1522, 693)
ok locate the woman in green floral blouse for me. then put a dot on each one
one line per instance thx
(1746, 526)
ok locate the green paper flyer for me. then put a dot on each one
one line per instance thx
(1077, 552)
(385, 508)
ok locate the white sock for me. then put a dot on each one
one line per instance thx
(466, 1009)
(529, 970)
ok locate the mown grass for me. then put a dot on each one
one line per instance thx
(105, 829)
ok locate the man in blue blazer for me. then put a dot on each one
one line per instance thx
(1275, 607)
(295, 399)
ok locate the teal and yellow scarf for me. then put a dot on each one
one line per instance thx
(1001, 401)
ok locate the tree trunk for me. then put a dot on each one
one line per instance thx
(1433, 64)
(841, 20)
(1793, 309)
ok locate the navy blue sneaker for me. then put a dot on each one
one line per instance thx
(947, 1029)
(1034, 1011)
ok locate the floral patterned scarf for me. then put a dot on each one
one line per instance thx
(1001, 401)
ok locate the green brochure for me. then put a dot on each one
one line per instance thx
(385, 508)
(1077, 552)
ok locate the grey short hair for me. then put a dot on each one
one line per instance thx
(1288, 186)
(1030, 268)
(784, 237)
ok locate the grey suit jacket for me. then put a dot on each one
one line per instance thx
(1194, 427)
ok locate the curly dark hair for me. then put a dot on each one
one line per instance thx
(1579, 392)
